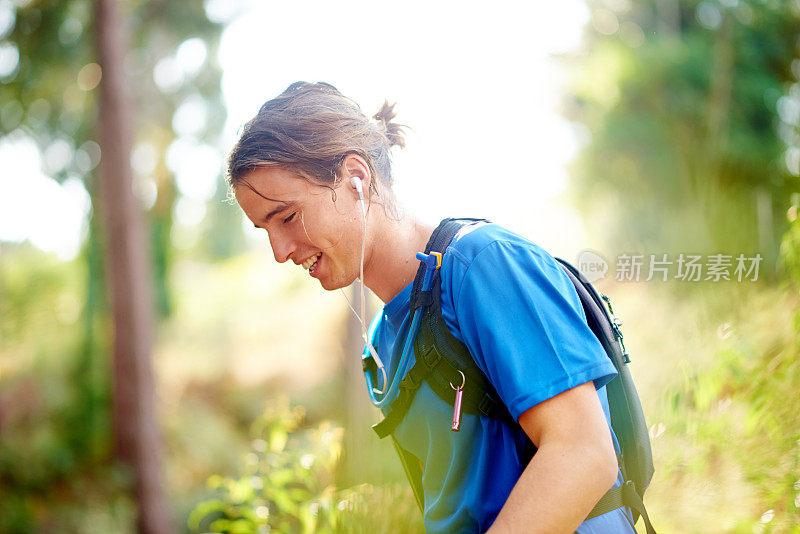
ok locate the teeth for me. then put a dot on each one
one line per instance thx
(311, 263)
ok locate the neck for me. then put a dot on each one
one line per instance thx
(391, 262)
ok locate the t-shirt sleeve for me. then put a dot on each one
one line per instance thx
(521, 318)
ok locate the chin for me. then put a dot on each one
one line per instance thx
(332, 285)
(327, 286)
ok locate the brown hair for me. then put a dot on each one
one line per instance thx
(310, 128)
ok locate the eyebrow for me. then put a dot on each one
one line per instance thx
(286, 204)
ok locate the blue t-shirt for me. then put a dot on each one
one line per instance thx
(517, 312)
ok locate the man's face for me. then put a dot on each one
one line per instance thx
(304, 223)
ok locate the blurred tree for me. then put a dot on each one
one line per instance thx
(50, 75)
(48, 94)
(138, 442)
(691, 110)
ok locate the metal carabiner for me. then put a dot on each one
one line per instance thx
(463, 381)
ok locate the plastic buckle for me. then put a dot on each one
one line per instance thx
(424, 299)
(432, 357)
(410, 381)
(438, 259)
(432, 260)
(486, 405)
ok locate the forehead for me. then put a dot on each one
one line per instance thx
(268, 187)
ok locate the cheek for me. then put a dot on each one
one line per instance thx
(332, 231)
(315, 230)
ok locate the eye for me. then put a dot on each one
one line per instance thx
(290, 217)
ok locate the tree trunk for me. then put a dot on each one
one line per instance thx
(137, 439)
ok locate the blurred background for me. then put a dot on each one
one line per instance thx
(159, 372)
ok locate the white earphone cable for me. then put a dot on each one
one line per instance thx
(369, 346)
(378, 362)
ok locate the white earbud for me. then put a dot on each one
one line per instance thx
(355, 181)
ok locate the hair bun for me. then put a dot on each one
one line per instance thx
(393, 131)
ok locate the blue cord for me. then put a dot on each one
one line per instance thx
(431, 263)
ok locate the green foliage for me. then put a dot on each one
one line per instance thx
(55, 469)
(54, 388)
(742, 411)
(690, 109)
(286, 485)
(51, 97)
(687, 142)
(371, 509)
(46, 97)
(732, 427)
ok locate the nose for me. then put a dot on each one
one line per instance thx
(283, 246)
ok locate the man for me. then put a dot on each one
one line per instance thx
(299, 171)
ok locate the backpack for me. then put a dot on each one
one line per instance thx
(441, 358)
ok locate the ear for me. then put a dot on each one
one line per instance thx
(354, 165)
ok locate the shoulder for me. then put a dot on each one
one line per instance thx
(473, 238)
(496, 247)
(489, 265)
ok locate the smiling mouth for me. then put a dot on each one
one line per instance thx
(311, 263)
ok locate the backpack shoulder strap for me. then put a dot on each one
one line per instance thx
(440, 239)
(440, 356)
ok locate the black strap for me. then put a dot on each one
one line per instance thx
(436, 347)
(441, 370)
(479, 395)
(624, 495)
(408, 387)
(439, 240)
(610, 501)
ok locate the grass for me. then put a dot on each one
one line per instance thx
(716, 366)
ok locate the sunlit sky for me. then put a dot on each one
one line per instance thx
(476, 84)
